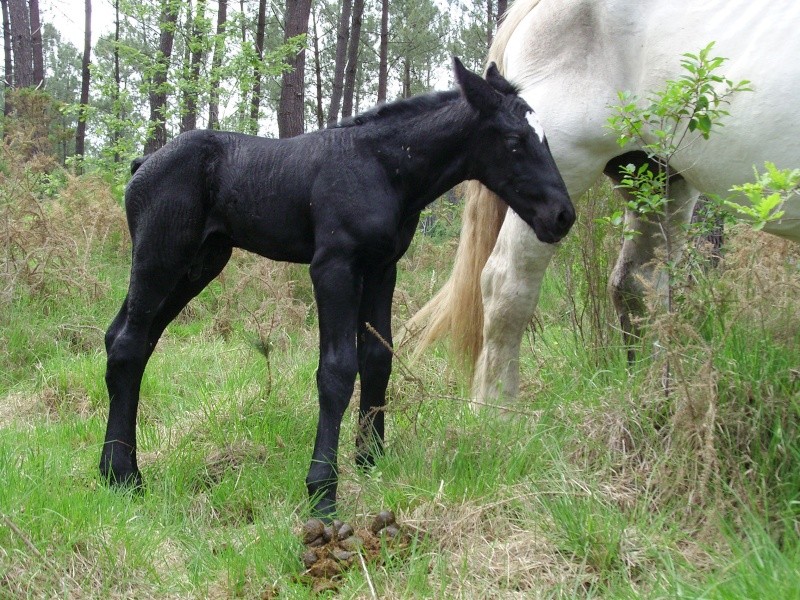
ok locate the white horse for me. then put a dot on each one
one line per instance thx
(569, 59)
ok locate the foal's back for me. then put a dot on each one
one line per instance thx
(265, 195)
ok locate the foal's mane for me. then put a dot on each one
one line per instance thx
(400, 109)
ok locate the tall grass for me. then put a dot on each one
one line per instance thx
(597, 485)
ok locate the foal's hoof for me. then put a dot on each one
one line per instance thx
(130, 479)
(365, 461)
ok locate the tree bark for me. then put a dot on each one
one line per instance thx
(8, 74)
(80, 133)
(216, 63)
(490, 22)
(186, 68)
(243, 24)
(21, 43)
(502, 5)
(291, 109)
(352, 59)
(406, 77)
(255, 102)
(158, 86)
(383, 53)
(36, 44)
(342, 37)
(117, 86)
(192, 84)
(318, 75)
(242, 107)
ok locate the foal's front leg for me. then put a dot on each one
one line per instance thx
(374, 360)
(337, 291)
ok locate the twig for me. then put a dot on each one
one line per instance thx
(409, 375)
(403, 366)
(21, 535)
(47, 563)
(366, 574)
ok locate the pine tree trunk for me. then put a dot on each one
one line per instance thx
(243, 24)
(490, 22)
(352, 59)
(406, 77)
(36, 44)
(291, 109)
(158, 86)
(21, 43)
(8, 75)
(117, 86)
(255, 102)
(383, 54)
(186, 68)
(318, 76)
(216, 63)
(242, 106)
(189, 116)
(502, 5)
(80, 133)
(342, 37)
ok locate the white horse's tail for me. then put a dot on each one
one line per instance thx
(456, 311)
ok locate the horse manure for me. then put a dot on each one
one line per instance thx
(327, 568)
(309, 558)
(312, 529)
(391, 531)
(329, 534)
(332, 549)
(382, 520)
(352, 543)
(343, 555)
(345, 531)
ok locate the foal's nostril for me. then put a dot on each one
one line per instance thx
(565, 218)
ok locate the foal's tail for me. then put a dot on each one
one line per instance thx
(456, 311)
(137, 162)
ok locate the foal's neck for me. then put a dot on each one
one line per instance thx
(434, 153)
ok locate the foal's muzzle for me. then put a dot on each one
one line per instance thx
(551, 224)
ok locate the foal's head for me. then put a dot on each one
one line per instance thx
(511, 156)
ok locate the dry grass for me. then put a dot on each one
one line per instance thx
(47, 243)
(683, 438)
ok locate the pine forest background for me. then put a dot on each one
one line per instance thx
(269, 68)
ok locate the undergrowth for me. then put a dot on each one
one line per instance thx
(600, 482)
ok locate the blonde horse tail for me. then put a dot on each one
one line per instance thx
(456, 311)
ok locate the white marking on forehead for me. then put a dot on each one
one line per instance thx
(536, 124)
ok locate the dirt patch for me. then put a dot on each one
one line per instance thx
(231, 458)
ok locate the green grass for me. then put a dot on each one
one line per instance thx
(589, 490)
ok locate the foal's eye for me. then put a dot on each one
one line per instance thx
(514, 143)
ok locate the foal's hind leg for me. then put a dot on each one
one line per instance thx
(374, 361)
(337, 289)
(153, 301)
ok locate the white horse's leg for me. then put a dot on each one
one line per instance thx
(510, 284)
(640, 265)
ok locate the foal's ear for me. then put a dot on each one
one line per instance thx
(478, 92)
(498, 82)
